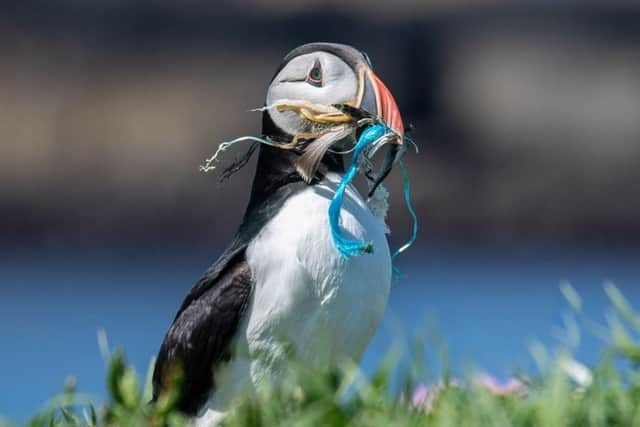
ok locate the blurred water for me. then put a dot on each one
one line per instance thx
(487, 300)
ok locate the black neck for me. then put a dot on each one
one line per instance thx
(276, 167)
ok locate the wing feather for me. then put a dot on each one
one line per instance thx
(202, 332)
(204, 327)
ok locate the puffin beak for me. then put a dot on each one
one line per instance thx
(377, 100)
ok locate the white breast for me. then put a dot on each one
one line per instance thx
(307, 297)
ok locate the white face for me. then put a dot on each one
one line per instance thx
(318, 77)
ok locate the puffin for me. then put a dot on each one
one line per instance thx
(281, 289)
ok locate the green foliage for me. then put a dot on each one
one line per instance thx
(566, 394)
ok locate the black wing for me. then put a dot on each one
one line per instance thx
(201, 334)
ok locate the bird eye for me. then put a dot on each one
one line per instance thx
(314, 77)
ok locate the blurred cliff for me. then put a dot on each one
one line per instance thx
(527, 118)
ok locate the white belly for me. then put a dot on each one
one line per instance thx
(306, 297)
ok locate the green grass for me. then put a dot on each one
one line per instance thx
(558, 396)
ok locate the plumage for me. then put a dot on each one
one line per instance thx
(281, 285)
(208, 318)
(327, 308)
(200, 335)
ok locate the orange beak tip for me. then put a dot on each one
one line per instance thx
(388, 110)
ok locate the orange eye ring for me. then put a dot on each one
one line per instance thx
(314, 76)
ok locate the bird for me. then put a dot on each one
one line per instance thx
(281, 287)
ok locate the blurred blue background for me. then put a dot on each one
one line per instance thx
(527, 118)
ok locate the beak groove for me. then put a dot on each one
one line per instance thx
(376, 99)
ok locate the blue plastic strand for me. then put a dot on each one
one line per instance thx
(209, 164)
(407, 199)
(414, 233)
(348, 247)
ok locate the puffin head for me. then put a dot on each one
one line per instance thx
(327, 74)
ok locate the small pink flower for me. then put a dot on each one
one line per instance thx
(510, 387)
(419, 395)
(424, 397)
